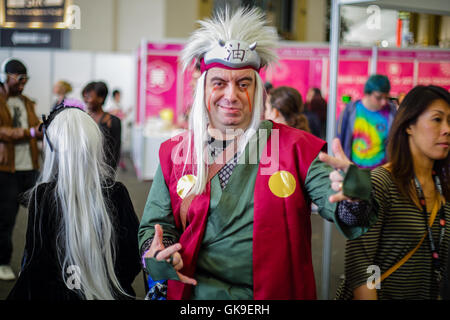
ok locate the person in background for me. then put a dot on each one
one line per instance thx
(268, 87)
(19, 153)
(401, 96)
(316, 104)
(81, 234)
(94, 95)
(183, 119)
(87, 88)
(116, 109)
(196, 73)
(61, 89)
(284, 105)
(363, 125)
(408, 243)
(395, 102)
(116, 104)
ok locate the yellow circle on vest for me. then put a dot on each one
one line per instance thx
(282, 184)
(185, 184)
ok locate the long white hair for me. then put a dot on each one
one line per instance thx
(85, 233)
(245, 24)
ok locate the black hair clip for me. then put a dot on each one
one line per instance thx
(47, 120)
(43, 127)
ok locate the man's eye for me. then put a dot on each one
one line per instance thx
(437, 119)
(243, 85)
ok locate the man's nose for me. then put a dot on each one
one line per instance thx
(231, 93)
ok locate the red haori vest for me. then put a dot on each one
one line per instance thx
(282, 262)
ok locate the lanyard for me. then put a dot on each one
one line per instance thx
(433, 246)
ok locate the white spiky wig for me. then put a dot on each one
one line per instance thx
(247, 28)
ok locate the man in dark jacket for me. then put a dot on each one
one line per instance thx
(18, 153)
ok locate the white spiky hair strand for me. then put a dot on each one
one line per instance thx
(245, 24)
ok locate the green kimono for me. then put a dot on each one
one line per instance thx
(224, 265)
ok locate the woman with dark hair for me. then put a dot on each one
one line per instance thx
(285, 105)
(316, 104)
(408, 244)
(94, 95)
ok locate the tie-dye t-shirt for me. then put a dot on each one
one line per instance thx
(369, 137)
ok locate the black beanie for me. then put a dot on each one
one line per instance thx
(15, 67)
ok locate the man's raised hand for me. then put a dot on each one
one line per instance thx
(170, 254)
(339, 162)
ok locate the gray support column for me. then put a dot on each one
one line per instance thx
(374, 61)
(143, 82)
(143, 104)
(331, 124)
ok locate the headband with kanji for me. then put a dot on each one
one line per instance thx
(236, 40)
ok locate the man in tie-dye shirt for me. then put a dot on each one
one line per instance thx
(364, 125)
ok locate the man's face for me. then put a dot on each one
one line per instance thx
(92, 100)
(377, 100)
(229, 96)
(16, 83)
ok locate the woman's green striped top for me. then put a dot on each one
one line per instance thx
(398, 230)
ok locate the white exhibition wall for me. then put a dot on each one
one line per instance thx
(45, 67)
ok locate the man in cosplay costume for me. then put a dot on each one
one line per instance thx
(228, 214)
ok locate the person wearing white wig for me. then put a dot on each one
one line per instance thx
(228, 214)
(81, 235)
